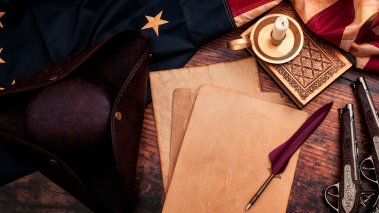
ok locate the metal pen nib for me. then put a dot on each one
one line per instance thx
(247, 207)
(259, 192)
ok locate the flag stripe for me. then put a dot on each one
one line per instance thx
(306, 9)
(253, 13)
(373, 64)
(239, 7)
(369, 33)
(330, 26)
(361, 62)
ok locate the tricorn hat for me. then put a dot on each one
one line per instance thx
(78, 122)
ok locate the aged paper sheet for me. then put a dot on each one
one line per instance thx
(224, 156)
(240, 76)
(182, 105)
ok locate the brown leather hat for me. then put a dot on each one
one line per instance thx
(78, 122)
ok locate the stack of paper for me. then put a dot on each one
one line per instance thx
(240, 76)
(214, 145)
(182, 105)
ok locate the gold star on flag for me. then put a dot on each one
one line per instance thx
(1, 60)
(1, 15)
(155, 22)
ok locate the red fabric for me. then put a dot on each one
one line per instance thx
(238, 7)
(366, 35)
(329, 26)
(352, 25)
(334, 21)
(373, 64)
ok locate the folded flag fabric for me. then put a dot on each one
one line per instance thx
(36, 33)
(352, 25)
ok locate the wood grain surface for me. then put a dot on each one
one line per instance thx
(318, 165)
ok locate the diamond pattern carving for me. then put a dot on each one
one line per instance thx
(317, 65)
(310, 64)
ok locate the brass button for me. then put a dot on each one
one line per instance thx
(54, 77)
(53, 162)
(118, 115)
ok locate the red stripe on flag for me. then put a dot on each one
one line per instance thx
(242, 6)
(331, 22)
(373, 64)
(366, 35)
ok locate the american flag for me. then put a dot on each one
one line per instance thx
(34, 34)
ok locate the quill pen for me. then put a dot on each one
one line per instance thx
(280, 156)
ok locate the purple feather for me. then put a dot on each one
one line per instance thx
(280, 156)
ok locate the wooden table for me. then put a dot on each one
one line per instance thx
(318, 165)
